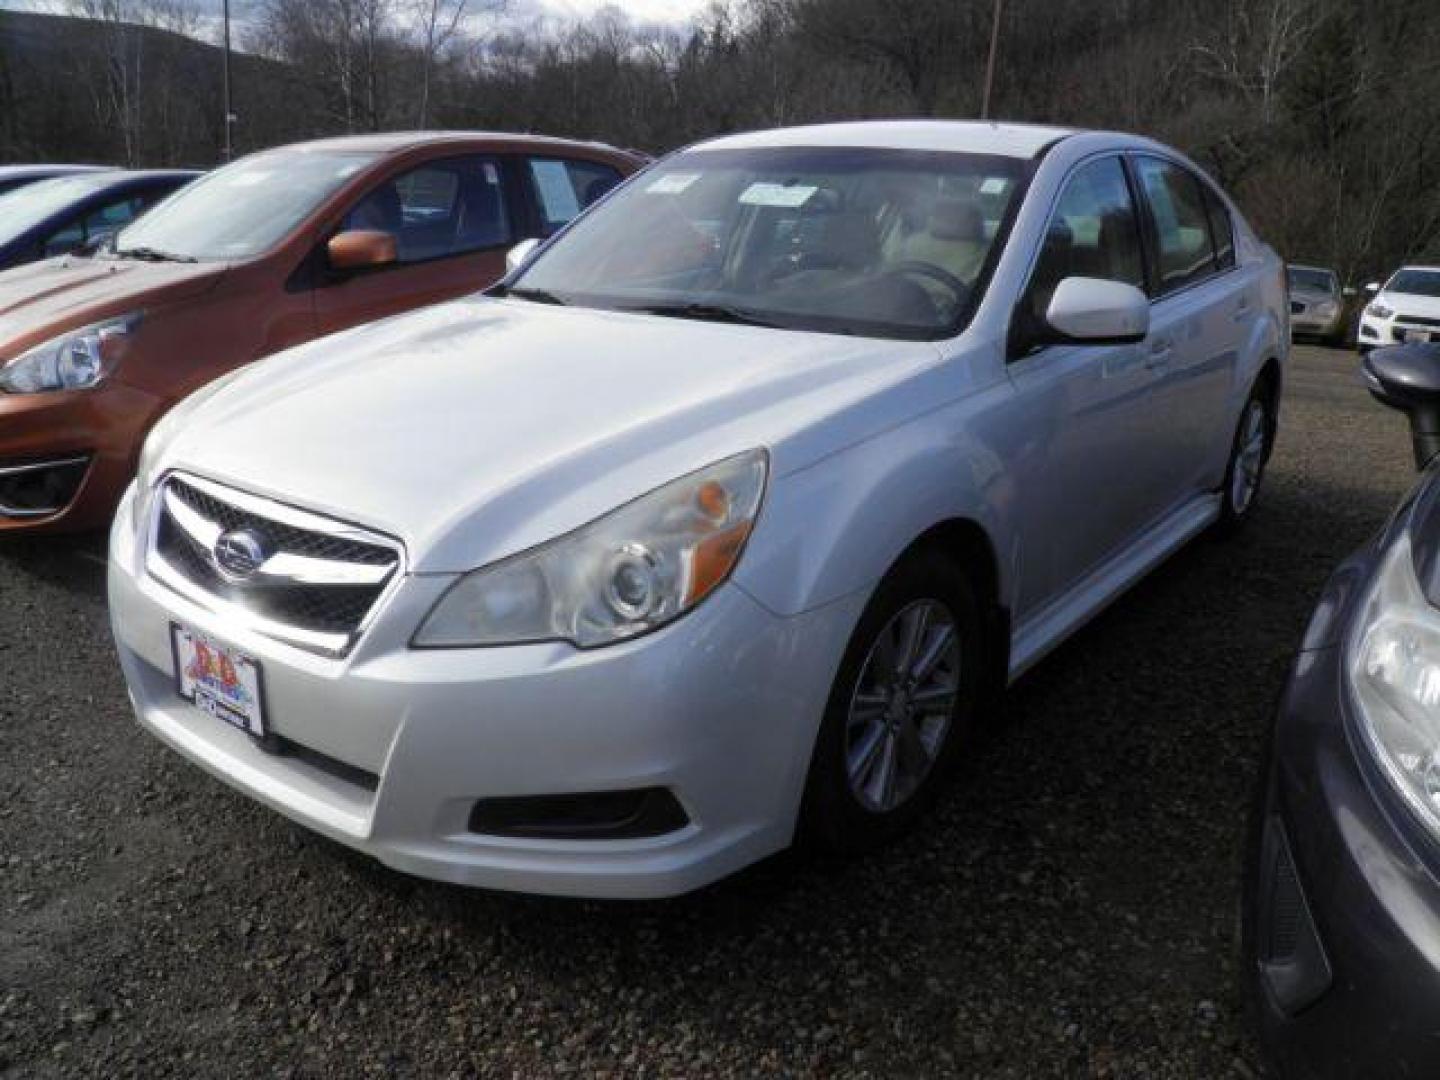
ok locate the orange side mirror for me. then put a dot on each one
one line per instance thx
(361, 249)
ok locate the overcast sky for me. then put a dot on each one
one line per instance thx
(674, 12)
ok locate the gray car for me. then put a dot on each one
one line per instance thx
(1343, 895)
(1317, 302)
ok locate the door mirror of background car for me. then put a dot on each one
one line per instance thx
(1348, 292)
(1372, 287)
(361, 249)
(1094, 311)
(1407, 377)
(516, 256)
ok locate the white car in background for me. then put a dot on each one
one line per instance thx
(721, 520)
(1406, 308)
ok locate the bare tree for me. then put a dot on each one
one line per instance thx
(1260, 41)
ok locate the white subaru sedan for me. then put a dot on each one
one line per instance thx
(722, 521)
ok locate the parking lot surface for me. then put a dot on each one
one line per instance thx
(1068, 910)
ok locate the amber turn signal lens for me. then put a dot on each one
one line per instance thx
(713, 560)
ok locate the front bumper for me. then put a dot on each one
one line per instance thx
(1357, 991)
(1375, 332)
(720, 709)
(1310, 320)
(103, 427)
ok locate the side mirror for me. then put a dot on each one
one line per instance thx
(1407, 377)
(1094, 311)
(516, 256)
(361, 249)
(1372, 287)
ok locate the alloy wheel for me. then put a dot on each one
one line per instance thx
(1249, 458)
(901, 709)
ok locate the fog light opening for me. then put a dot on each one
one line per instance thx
(596, 815)
(40, 488)
(1292, 958)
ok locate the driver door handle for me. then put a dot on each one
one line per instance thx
(1159, 353)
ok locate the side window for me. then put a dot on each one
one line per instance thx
(1182, 224)
(66, 239)
(1222, 229)
(1093, 233)
(112, 217)
(441, 208)
(564, 188)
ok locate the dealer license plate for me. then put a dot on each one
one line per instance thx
(218, 680)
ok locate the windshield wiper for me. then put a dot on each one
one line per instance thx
(150, 254)
(705, 312)
(539, 296)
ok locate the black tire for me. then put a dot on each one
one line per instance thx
(833, 817)
(1235, 511)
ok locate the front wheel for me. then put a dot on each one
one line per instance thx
(1248, 456)
(901, 707)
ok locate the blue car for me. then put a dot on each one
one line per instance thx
(72, 213)
(17, 176)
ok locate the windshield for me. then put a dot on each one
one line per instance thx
(25, 207)
(1304, 277)
(243, 209)
(883, 243)
(1415, 282)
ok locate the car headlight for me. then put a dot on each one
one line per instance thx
(1394, 668)
(74, 361)
(1379, 309)
(625, 574)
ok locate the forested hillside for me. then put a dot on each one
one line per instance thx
(1318, 114)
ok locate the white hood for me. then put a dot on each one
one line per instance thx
(479, 428)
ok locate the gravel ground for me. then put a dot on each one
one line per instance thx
(1068, 910)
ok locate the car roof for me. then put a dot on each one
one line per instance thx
(158, 174)
(389, 142)
(973, 136)
(1425, 269)
(100, 180)
(10, 171)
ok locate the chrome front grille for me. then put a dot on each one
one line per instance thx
(287, 573)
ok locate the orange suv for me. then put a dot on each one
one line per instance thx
(276, 249)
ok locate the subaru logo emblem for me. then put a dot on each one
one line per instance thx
(240, 552)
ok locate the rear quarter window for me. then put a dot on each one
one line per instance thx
(1181, 223)
(563, 187)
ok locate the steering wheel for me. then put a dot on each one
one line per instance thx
(937, 274)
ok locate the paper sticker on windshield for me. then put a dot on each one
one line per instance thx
(492, 174)
(994, 185)
(786, 195)
(673, 184)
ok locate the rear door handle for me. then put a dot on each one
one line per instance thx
(1242, 310)
(1159, 354)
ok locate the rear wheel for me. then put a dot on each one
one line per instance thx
(901, 707)
(1248, 456)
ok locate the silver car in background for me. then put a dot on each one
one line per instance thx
(1317, 303)
(721, 521)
